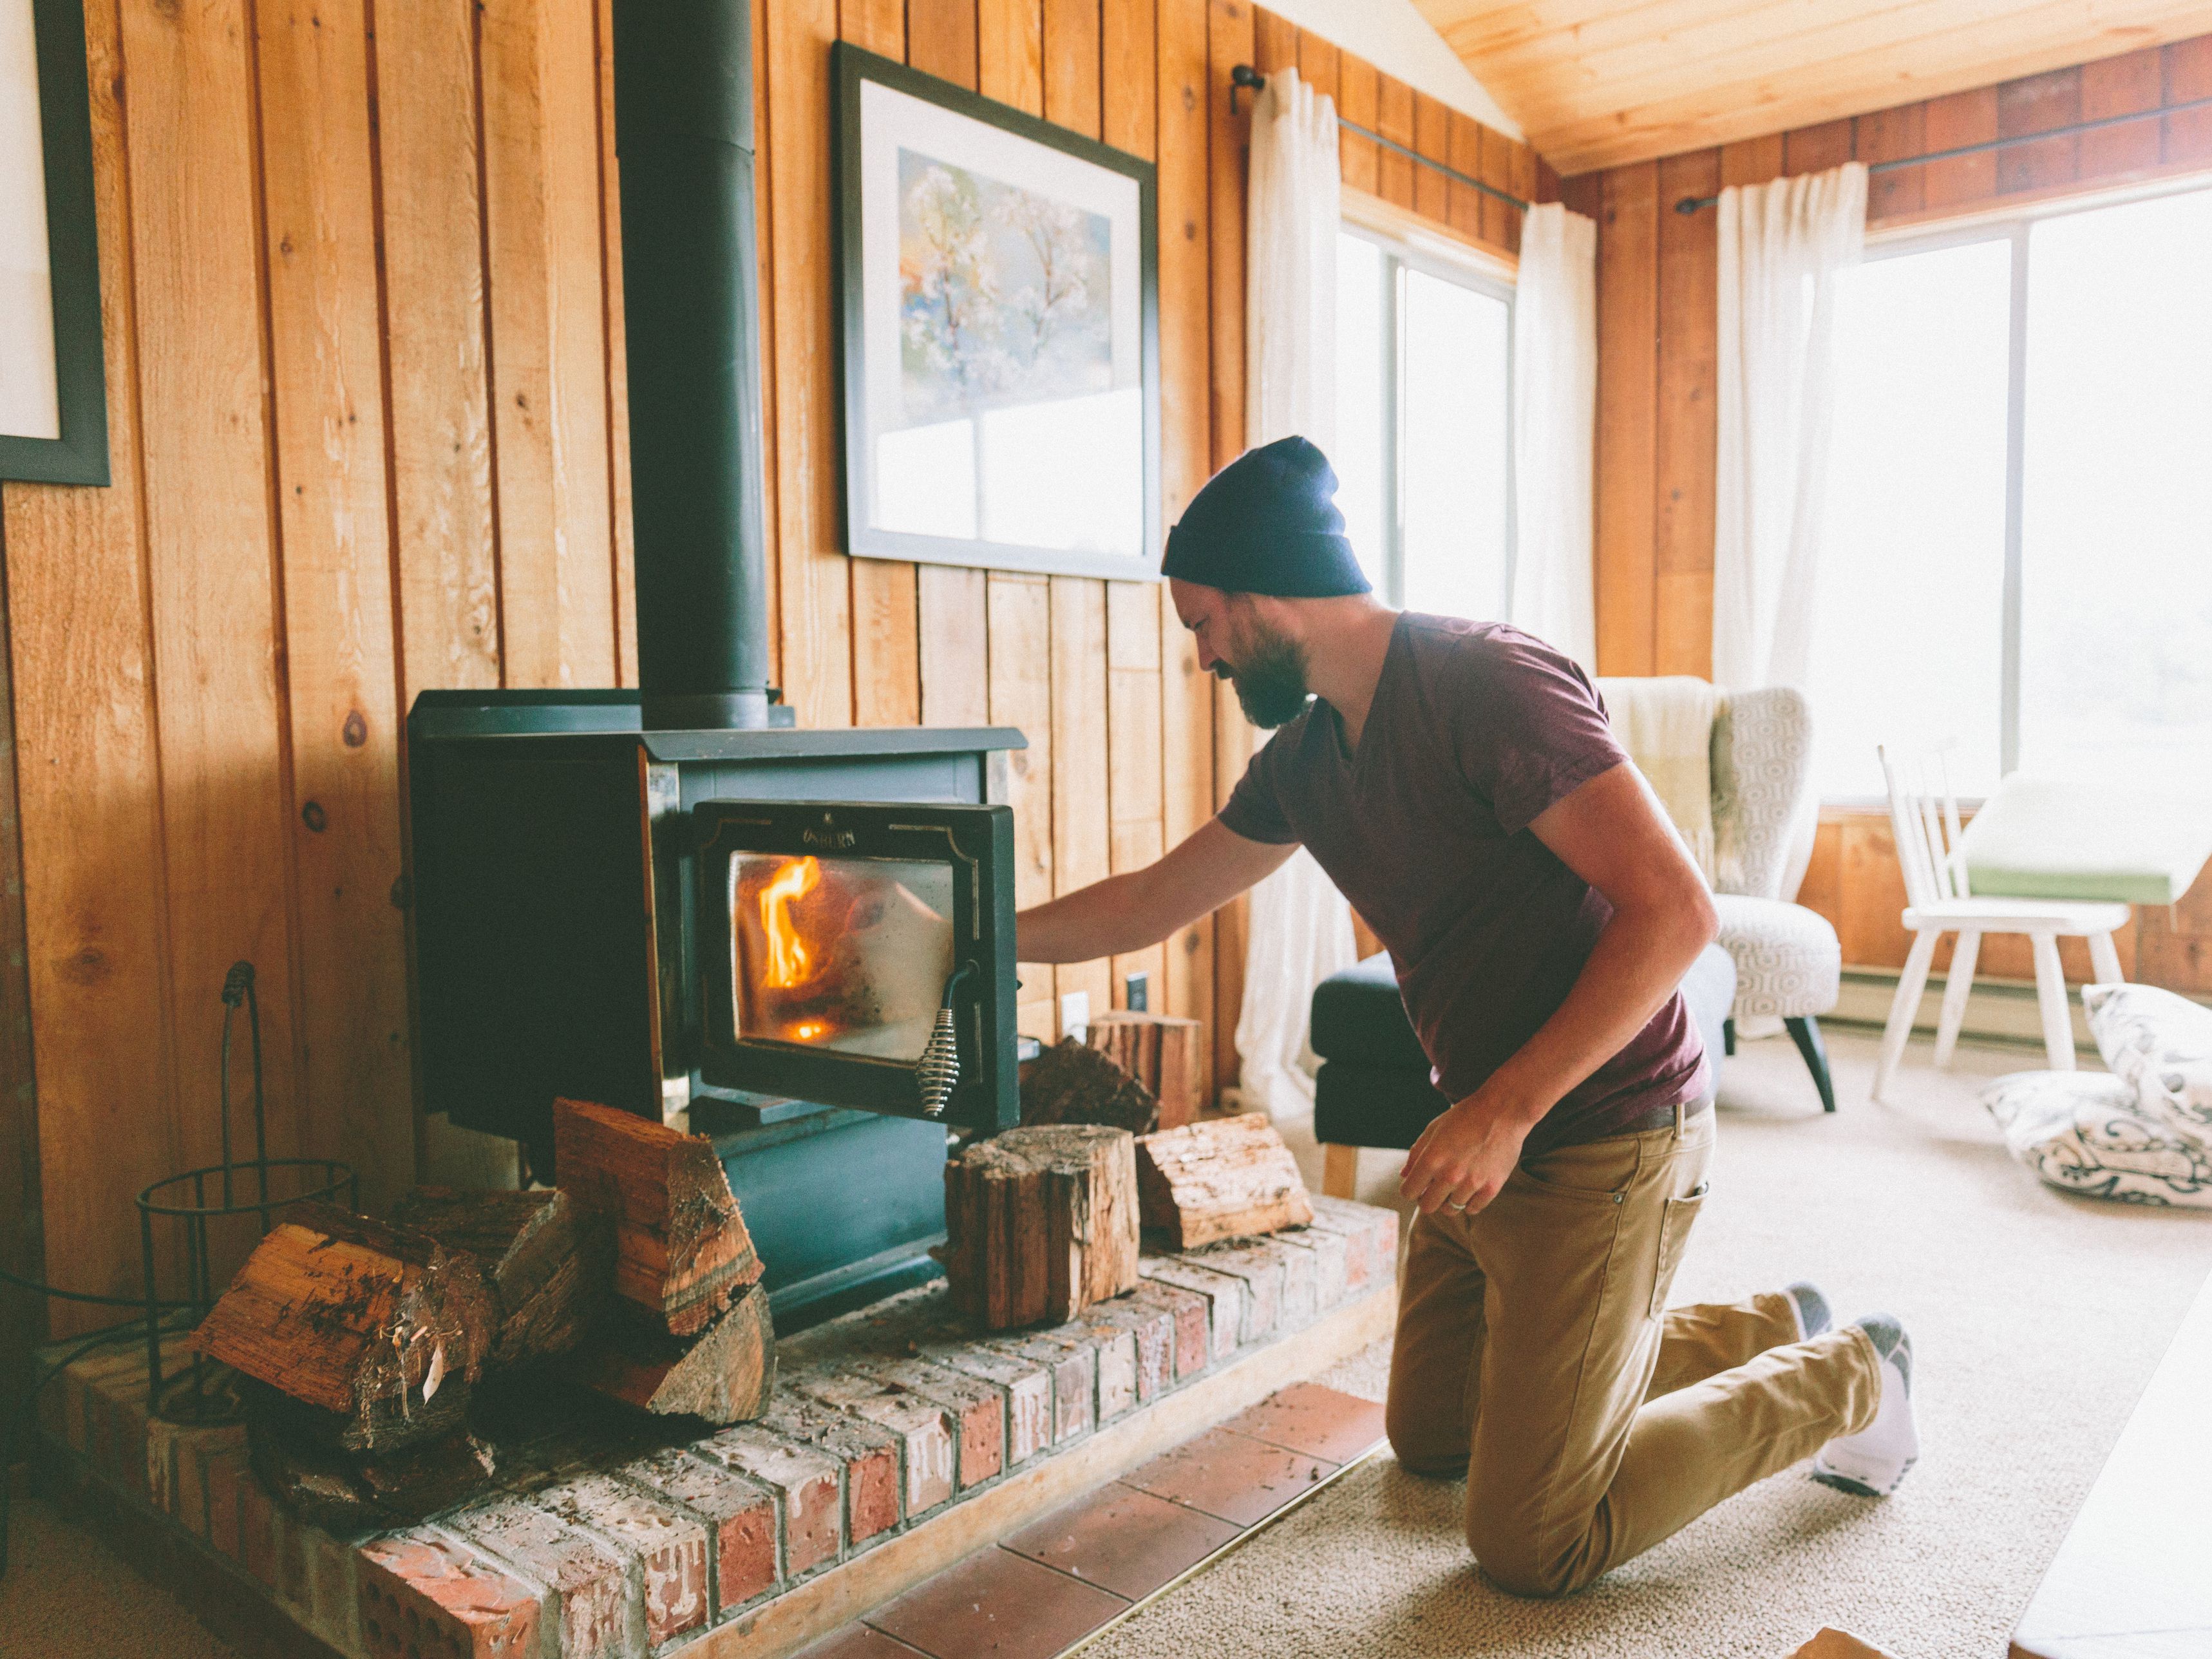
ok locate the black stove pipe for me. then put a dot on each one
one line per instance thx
(683, 136)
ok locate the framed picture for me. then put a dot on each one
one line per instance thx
(1001, 332)
(53, 397)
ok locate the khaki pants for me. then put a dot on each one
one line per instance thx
(1536, 1351)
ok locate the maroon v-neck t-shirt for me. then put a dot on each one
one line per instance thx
(1476, 728)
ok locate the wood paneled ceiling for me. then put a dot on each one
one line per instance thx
(1597, 82)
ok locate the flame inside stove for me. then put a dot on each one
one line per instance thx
(789, 962)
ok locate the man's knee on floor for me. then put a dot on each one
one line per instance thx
(1422, 1445)
(1511, 1561)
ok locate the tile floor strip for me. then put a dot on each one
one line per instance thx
(946, 1617)
(999, 1603)
(860, 1642)
(1128, 1541)
(1227, 1550)
(1320, 1422)
(1228, 1475)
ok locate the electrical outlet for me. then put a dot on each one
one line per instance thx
(1075, 1014)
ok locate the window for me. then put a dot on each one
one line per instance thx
(2020, 503)
(1912, 586)
(1424, 456)
(2115, 518)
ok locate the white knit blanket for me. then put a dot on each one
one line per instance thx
(1666, 725)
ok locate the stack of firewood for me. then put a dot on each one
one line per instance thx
(690, 1333)
(364, 1343)
(1043, 1220)
(1160, 1052)
(1139, 1071)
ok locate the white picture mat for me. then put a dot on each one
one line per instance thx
(30, 395)
(1096, 474)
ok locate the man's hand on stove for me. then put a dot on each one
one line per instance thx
(1464, 1156)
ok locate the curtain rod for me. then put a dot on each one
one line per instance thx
(1243, 75)
(1692, 203)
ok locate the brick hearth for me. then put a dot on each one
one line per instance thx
(896, 1445)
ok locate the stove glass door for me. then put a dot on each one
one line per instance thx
(850, 954)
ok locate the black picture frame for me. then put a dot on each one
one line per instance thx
(850, 68)
(79, 456)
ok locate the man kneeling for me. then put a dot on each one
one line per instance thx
(1459, 783)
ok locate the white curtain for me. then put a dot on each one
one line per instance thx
(1301, 928)
(1554, 428)
(1782, 247)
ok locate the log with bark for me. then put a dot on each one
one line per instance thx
(1161, 1052)
(724, 1374)
(680, 1250)
(1040, 1222)
(1223, 1177)
(547, 1263)
(1073, 1083)
(379, 1329)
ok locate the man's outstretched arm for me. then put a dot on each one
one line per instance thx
(1612, 833)
(1130, 911)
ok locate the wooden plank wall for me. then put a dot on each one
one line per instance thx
(1657, 368)
(361, 285)
(349, 465)
(1381, 103)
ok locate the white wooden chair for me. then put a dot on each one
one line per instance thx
(1923, 814)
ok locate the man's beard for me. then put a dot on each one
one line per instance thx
(1271, 682)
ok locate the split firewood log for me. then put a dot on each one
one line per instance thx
(547, 1263)
(680, 1250)
(1223, 1177)
(1161, 1052)
(1073, 1083)
(724, 1374)
(379, 1328)
(1040, 1223)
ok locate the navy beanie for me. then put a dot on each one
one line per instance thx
(1267, 523)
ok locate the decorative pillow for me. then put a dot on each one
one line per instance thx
(2083, 1132)
(2163, 1044)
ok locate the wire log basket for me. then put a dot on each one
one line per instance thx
(197, 1200)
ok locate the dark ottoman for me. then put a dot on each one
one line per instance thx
(1373, 1088)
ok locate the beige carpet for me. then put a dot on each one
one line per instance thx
(2036, 1319)
(67, 1595)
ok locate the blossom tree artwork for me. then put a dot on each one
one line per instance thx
(1004, 294)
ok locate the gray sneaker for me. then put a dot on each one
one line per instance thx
(1873, 1461)
(1810, 1307)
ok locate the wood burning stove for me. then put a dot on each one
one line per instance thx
(748, 933)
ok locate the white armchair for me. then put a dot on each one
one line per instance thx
(1758, 751)
(1789, 963)
(1757, 770)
